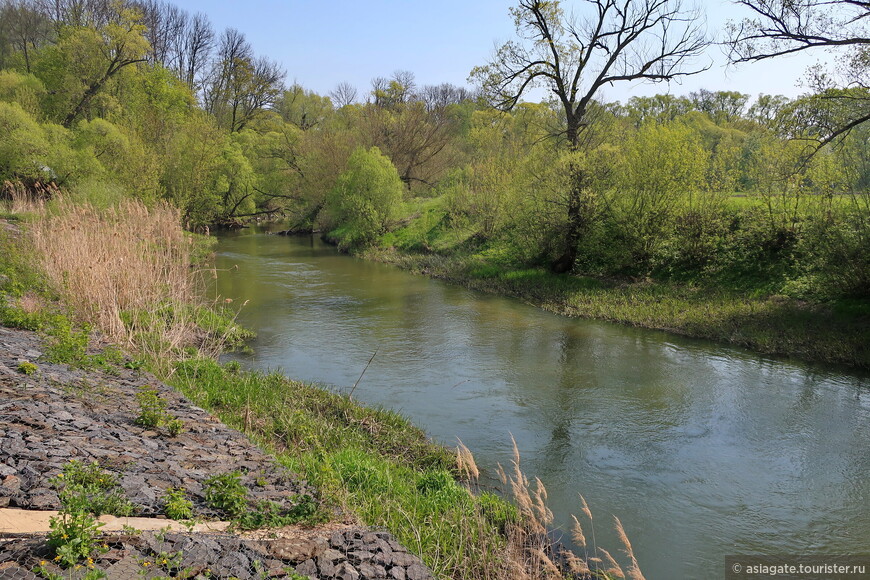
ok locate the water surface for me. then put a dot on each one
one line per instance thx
(701, 450)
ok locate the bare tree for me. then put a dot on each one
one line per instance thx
(24, 26)
(192, 50)
(439, 96)
(343, 94)
(574, 56)
(165, 24)
(783, 27)
(240, 85)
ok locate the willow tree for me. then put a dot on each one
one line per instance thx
(574, 55)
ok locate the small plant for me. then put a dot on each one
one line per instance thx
(74, 536)
(152, 408)
(226, 493)
(87, 488)
(176, 504)
(27, 368)
(174, 426)
(152, 412)
(134, 364)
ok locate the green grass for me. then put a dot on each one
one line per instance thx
(372, 462)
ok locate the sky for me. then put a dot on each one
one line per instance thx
(322, 43)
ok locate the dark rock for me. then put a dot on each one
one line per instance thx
(307, 568)
(404, 559)
(345, 571)
(370, 571)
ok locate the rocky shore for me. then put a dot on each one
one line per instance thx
(56, 414)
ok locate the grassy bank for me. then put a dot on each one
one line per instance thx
(837, 332)
(64, 272)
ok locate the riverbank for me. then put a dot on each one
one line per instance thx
(59, 423)
(770, 324)
(369, 465)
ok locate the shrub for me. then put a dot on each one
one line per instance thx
(366, 199)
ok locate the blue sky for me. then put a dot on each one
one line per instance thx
(323, 43)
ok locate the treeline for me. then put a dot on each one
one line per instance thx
(110, 99)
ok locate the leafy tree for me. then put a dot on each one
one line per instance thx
(662, 165)
(614, 41)
(23, 29)
(721, 106)
(366, 200)
(658, 109)
(305, 109)
(26, 90)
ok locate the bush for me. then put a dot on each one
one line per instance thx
(365, 201)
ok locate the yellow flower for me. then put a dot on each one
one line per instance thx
(43, 563)
(60, 475)
(146, 564)
(64, 536)
(57, 558)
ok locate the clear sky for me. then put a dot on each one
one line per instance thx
(325, 42)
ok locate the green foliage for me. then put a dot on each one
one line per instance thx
(23, 89)
(152, 408)
(176, 505)
(27, 368)
(153, 413)
(67, 344)
(366, 200)
(226, 493)
(74, 536)
(86, 487)
(24, 147)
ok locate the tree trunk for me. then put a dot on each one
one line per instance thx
(578, 205)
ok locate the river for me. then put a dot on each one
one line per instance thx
(702, 450)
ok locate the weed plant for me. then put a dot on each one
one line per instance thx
(176, 505)
(86, 487)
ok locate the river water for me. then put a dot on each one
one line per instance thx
(701, 450)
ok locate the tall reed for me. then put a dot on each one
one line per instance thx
(534, 555)
(126, 270)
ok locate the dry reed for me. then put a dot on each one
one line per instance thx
(126, 270)
(531, 549)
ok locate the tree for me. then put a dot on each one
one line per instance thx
(721, 106)
(366, 199)
(24, 27)
(783, 27)
(305, 109)
(614, 41)
(88, 57)
(241, 85)
(343, 94)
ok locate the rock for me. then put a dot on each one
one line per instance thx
(307, 568)
(345, 571)
(370, 571)
(292, 550)
(404, 559)
(11, 485)
(397, 573)
(418, 572)
(17, 573)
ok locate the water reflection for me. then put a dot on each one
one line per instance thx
(701, 450)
